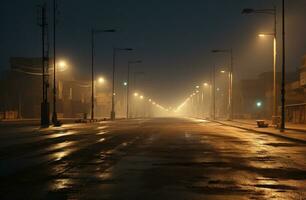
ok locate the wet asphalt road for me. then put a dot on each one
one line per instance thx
(164, 158)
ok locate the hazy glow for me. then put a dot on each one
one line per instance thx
(136, 94)
(261, 35)
(101, 80)
(259, 104)
(62, 66)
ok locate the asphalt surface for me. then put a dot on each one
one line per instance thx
(163, 158)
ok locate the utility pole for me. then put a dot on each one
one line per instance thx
(128, 92)
(214, 92)
(92, 75)
(54, 116)
(113, 114)
(231, 105)
(283, 91)
(44, 117)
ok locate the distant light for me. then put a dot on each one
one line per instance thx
(150, 100)
(218, 89)
(101, 80)
(136, 94)
(141, 97)
(125, 83)
(222, 71)
(259, 104)
(205, 84)
(197, 91)
(62, 66)
(261, 35)
(197, 87)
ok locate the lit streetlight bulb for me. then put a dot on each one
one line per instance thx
(62, 66)
(101, 80)
(261, 35)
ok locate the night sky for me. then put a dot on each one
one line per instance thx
(173, 38)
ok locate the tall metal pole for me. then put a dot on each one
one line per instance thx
(231, 87)
(283, 91)
(54, 117)
(113, 114)
(92, 76)
(128, 92)
(44, 119)
(274, 67)
(214, 92)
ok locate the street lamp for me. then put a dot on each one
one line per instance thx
(93, 33)
(272, 12)
(62, 66)
(113, 113)
(101, 80)
(54, 115)
(128, 85)
(258, 104)
(230, 100)
(282, 128)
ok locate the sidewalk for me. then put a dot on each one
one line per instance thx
(289, 126)
(293, 132)
(31, 122)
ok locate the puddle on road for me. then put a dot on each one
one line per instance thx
(280, 144)
(102, 133)
(60, 134)
(102, 127)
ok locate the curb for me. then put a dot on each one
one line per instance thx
(264, 132)
(289, 129)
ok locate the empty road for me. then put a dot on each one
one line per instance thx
(162, 158)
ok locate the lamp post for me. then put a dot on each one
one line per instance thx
(128, 86)
(283, 121)
(113, 113)
(44, 115)
(209, 86)
(274, 34)
(214, 92)
(54, 114)
(230, 89)
(93, 32)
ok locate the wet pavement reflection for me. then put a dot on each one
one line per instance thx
(153, 159)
